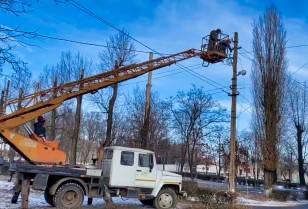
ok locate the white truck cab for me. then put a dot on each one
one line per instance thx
(126, 172)
(133, 172)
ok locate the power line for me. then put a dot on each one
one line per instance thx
(100, 45)
(66, 40)
(299, 68)
(287, 47)
(79, 6)
(220, 88)
(252, 60)
(87, 11)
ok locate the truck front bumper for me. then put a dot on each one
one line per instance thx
(183, 194)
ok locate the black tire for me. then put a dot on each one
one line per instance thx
(165, 199)
(147, 202)
(48, 198)
(69, 195)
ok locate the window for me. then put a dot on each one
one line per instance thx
(127, 158)
(109, 154)
(144, 160)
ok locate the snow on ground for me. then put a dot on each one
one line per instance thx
(250, 202)
(36, 199)
(250, 190)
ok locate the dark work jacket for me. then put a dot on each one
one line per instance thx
(213, 38)
(39, 129)
(223, 45)
(214, 35)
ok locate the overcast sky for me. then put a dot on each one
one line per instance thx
(167, 26)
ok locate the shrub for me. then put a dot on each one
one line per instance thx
(207, 195)
(280, 195)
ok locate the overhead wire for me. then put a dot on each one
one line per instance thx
(82, 8)
(90, 44)
(66, 40)
(287, 47)
(289, 76)
(87, 11)
(220, 89)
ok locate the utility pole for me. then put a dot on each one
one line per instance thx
(53, 112)
(73, 158)
(146, 122)
(232, 168)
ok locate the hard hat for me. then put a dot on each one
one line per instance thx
(40, 119)
(218, 30)
(229, 40)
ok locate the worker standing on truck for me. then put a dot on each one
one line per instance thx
(39, 128)
(213, 38)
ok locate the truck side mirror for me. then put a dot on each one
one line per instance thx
(151, 164)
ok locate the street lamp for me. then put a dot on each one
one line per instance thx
(232, 168)
(242, 72)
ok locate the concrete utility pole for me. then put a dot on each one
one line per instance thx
(146, 123)
(73, 158)
(53, 113)
(232, 168)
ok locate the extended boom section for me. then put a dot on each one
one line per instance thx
(44, 101)
(37, 151)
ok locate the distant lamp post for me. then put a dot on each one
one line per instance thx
(242, 72)
(232, 168)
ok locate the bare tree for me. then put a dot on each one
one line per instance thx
(160, 115)
(195, 113)
(252, 141)
(119, 51)
(92, 132)
(268, 76)
(68, 69)
(9, 38)
(215, 141)
(298, 109)
(15, 7)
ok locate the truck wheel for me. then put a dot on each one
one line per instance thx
(166, 198)
(49, 198)
(69, 195)
(147, 202)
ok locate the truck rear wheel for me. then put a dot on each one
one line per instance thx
(165, 199)
(69, 195)
(48, 198)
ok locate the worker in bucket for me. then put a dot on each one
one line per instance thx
(213, 39)
(39, 128)
(223, 45)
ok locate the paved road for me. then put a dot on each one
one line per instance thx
(246, 190)
(290, 207)
(224, 186)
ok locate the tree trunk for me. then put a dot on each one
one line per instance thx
(301, 170)
(76, 127)
(110, 114)
(53, 116)
(12, 152)
(183, 157)
(270, 178)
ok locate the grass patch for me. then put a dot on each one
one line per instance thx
(207, 195)
(280, 195)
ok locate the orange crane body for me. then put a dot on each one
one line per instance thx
(37, 151)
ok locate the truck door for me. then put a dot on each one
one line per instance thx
(145, 171)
